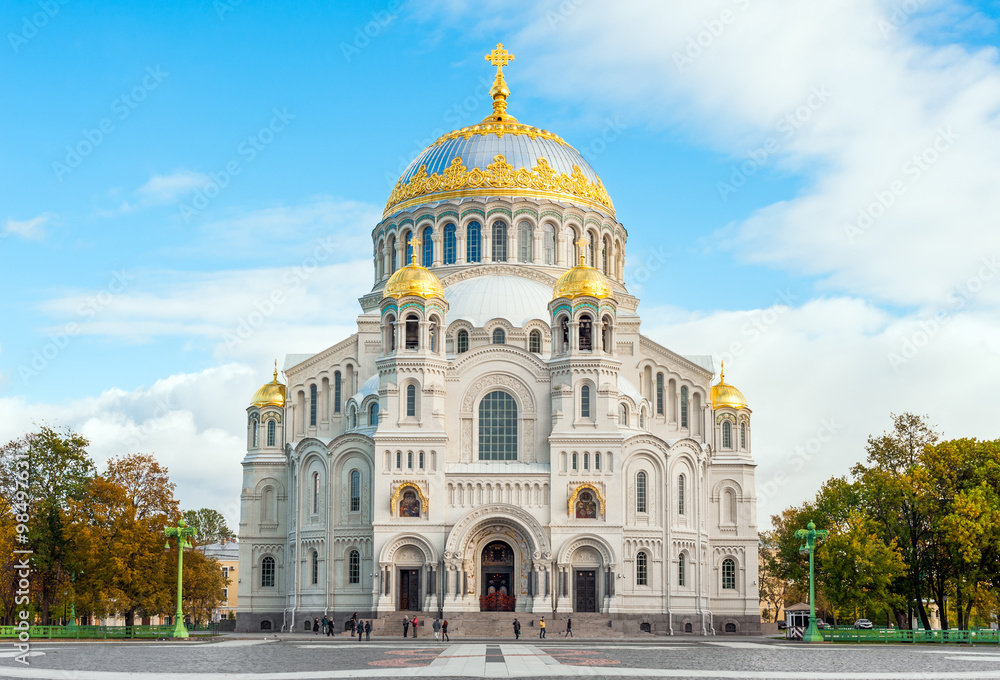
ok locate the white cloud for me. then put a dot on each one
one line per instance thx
(32, 230)
(168, 188)
(193, 423)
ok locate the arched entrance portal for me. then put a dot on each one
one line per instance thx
(498, 594)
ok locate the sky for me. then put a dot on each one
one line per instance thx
(809, 191)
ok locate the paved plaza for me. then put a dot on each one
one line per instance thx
(291, 657)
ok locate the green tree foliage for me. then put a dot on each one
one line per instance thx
(917, 522)
(209, 525)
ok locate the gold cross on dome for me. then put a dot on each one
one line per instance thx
(499, 57)
(415, 244)
(581, 243)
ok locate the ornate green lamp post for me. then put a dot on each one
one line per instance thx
(810, 536)
(183, 533)
(72, 605)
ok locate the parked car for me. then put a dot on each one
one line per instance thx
(863, 624)
(782, 625)
(823, 625)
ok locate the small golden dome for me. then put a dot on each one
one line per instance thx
(727, 395)
(413, 280)
(582, 280)
(271, 394)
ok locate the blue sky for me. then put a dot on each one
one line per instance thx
(820, 106)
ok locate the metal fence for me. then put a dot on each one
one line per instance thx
(888, 636)
(101, 632)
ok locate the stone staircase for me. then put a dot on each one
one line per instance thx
(499, 625)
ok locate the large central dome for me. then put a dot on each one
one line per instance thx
(499, 157)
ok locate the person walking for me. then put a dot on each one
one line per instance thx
(322, 625)
(315, 626)
(517, 629)
(541, 628)
(368, 631)
(444, 631)
(355, 626)
(406, 625)
(569, 629)
(437, 628)
(329, 627)
(414, 623)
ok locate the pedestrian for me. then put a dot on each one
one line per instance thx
(356, 625)
(414, 624)
(406, 625)
(541, 628)
(315, 626)
(368, 631)
(323, 624)
(569, 629)
(437, 628)
(517, 629)
(444, 631)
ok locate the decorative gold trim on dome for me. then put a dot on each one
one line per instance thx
(413, 279)
(457, 181)
(393, 502)
(576, 492)
(501, 129)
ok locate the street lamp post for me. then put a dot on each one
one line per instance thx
(72, 605)
(183, 534)
(810, 536)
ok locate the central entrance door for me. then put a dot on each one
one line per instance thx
(409, 590)
(585, 587)
(498, 578)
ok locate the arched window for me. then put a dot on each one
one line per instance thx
(586, 334)
(730, 627)
(265, 625)
(432, 332)
(270, 433)
(354, 568)
(498, 427)
(687, 628)
(586, 460)
(355, 491)
(463, 342)
(623, 415)
(253, 431)
(450, 244)
(606, 335)
(353, 416)
(743, 436)
(338, 391)
(373, 414)
(680, 494)
(315, 567)
(575, 459)
(473, 244)
(549, 243)
(597, 460)
(315, 492)
(399, 460)
(411, 400)
(380, 260)
(573, 238)
(313, 401)
(642, 418)
(390, 333)
(564, 332)
(267, 572)
(727, 435)
(681, 568)
(420, 462)
(684, 407)
(499, 241)
(640, 492)
(535, 342)
(524, 242)
(585, 401)
(499, 337)
(409, 460)
(641, 569)
(586, 507)
(267, 510)
(606, 256)
(392, 254)
(728, 574)
(729, 506)
(428, 254)
(592, 247)
(412, 332)
(659, 394)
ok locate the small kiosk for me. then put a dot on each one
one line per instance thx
(796, 620)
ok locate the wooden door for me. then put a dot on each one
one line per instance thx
(409, 590)
(585, 587)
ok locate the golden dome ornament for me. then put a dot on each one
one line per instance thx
(271, 394)
(724, 395)
(413, 279)
(582, 280)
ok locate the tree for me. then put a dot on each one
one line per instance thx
(773, 587)
(58, 469)
(209, 525)
(203, 584)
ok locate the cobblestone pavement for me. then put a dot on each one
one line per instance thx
(300, 657)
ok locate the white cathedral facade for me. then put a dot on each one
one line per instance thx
(498, 435)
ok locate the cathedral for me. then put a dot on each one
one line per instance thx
(498, 435)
